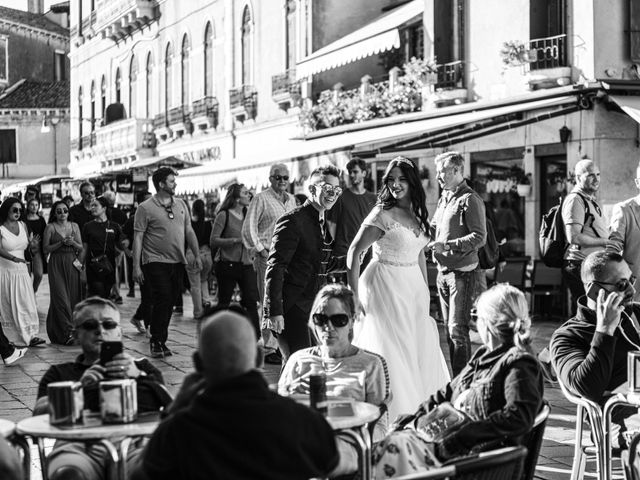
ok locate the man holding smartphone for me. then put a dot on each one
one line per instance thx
(97, 323)
(589, 352)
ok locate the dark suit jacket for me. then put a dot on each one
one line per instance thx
(294, 267)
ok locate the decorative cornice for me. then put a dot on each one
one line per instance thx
(41, 31)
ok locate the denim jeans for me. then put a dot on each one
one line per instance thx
(457, 291)
(199, 280)
(165, 279)
(260, 266)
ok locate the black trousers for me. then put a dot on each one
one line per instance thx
(231, 273)
(296, 332)
(165, 279)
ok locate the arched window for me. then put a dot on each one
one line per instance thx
(168, 84)
(103, 97)
(184, 70)
(118, 84)
(148, 78)
(93, 105)
(247, 47)
(133, 87)
(208, 60)
(80, 118)
(291, 33)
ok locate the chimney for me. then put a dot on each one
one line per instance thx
(36, 6)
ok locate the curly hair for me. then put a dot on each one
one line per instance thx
(6, 207)
(416, 193)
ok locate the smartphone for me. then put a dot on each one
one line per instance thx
(108, 350)
(593, 291)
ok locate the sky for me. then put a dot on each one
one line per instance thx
(22, 4)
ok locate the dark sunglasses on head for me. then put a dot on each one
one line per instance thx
(61, 210)
(169, 211)
(277, 178)
(94, 324)
(338, 320)
(16, 210)
(622, 284)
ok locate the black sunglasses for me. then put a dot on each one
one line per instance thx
(63, 210)
(169, 211)
(16, 210)
(338, 320)
(621, 285)
(91, 192)
(277, 178)
(94, 324)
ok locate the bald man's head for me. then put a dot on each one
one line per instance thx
(583, 166)
(227, 347)
(587, 176)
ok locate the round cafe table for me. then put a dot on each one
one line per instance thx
(115, 437)
(7, 428)
(8, 431)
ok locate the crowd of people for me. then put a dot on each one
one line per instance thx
(342, 282)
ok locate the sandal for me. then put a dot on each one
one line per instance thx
(35, 341)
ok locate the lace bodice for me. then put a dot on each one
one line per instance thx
(399, 245)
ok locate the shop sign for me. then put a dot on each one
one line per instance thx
(203, 155)
(124, 183)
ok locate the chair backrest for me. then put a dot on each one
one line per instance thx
(545, 276)
(533, 441)
(514, 272)
(501, 464)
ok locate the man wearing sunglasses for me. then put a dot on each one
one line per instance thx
(162, 228)
(300, 257)
(81, 213)
(589, 352)
(97, 320)
(257, 232)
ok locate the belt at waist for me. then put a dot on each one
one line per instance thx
(394, 263)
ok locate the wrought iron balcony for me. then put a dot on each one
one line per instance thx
(117, 19)
(286, 90)
(160, 121)
(205, 113)
(125, 138)
(74, 144)
(244, 102)
(86, 142)
(450, 75)
(550, 52)
(178, 115)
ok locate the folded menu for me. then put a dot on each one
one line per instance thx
(341, 409)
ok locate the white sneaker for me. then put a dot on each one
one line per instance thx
(17, 354)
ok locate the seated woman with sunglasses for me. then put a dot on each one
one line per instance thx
(96, 321)
(351, 371)
(17, 299)
(500, 391)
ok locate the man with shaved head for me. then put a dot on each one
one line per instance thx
(584, 224)
(227, 423)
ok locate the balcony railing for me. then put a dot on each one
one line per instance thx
(118, 18)
(244, 101)
(74, 143)
(87, 141)
(205, 112)
(178, 115)
(124, 138)
(450, 75)
(160, 120)
(286, 91)
(550, 52)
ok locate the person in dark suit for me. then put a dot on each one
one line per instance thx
(299, 258)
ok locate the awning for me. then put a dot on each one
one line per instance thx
(303, 155)
(376, 37)
(629, 105)
(159, 162)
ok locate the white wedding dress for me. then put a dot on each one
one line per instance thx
(397, 324)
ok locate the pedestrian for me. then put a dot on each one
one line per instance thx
(17, 299)
(115, 214)
(199, 278)
(585, 226)
(350, 210)
(624, 233)
(458, 230)
(68, 199)
(299, 260)
(101, 238)
(257, 231)
(63, 243)
(162, 228)
(393, 292)
(81, 213)
(234, 267)
(36, 225)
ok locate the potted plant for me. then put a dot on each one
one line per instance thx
(514, 53)
(524, 184)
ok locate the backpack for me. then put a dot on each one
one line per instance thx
(552, 237)
(488, 253)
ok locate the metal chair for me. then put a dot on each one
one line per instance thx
(501, 464)
(547, 282)
(533, 440)
(514, 272)
(586, 410)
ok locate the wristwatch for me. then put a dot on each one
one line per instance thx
(446, 247)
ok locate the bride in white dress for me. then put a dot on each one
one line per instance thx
(393, 291)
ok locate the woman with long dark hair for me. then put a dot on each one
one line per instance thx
(63, 243)
(199, 278)
(17, 299)
(234, 267)
(393, 293)
(100, 236)
(36, 225)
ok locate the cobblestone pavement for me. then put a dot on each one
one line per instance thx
(18, 383)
